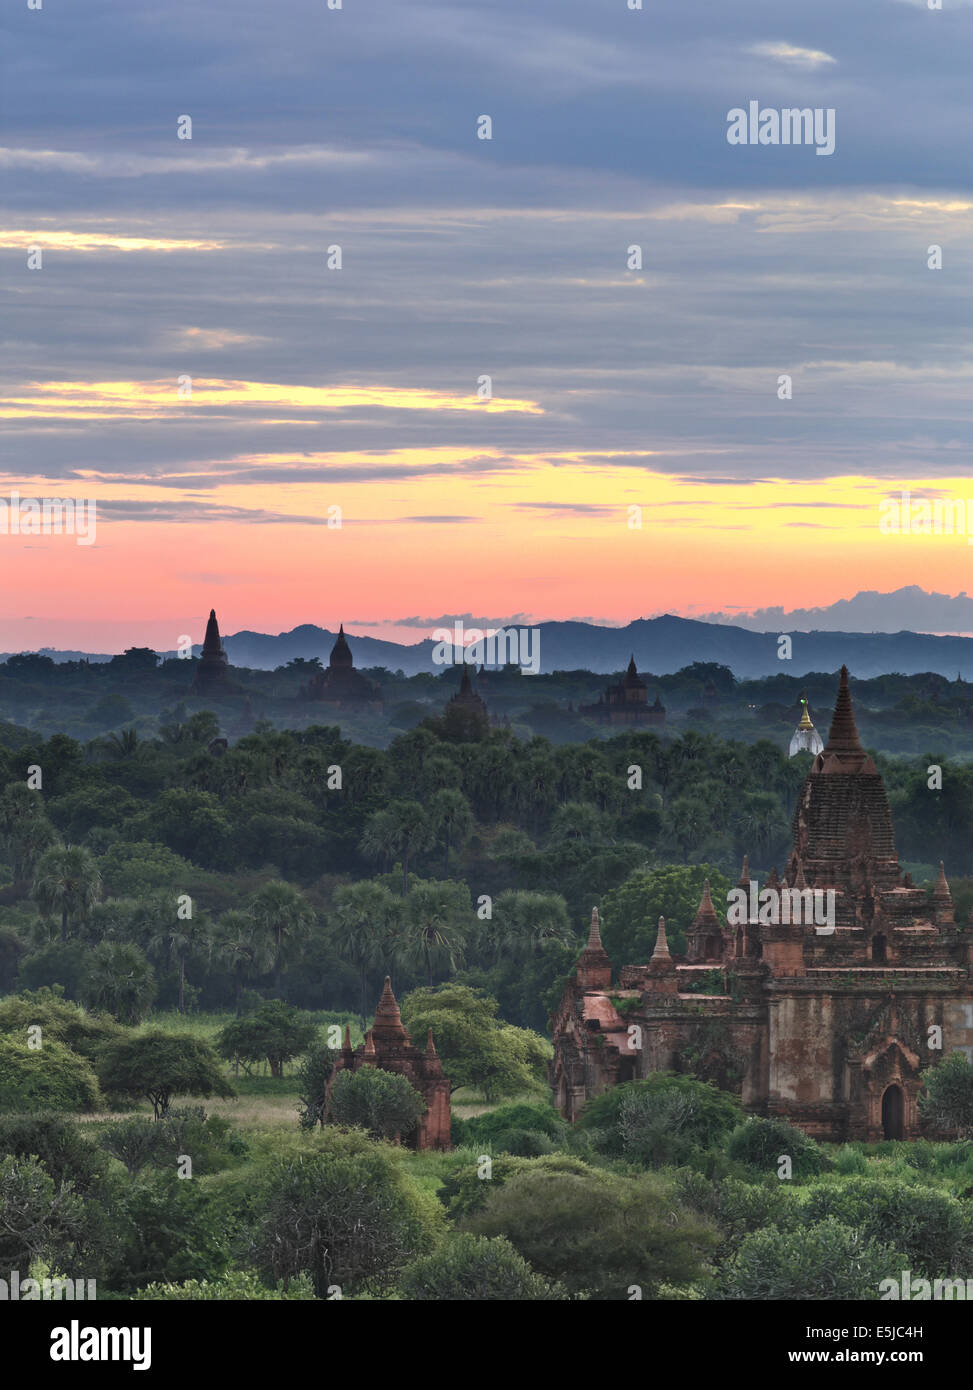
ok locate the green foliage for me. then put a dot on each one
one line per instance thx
(526, 1130)
(66, 1153)
(313, 1076)
(663, 1119)
(275, 1033)
(946, 1102)
(340, 1209)
(235, 1286)
(169, 1230)
(599, 1233)
(120, 980)
(630, 913)
(477, 1268)
(66, 1022)
(760, 1143)
(476, 1048)
(932, 1228)
(37, 1219)
(48, 1078)
(380, 1102)
(467, 1187)
(824, 1262)
(737, 1208)
(157, 1065)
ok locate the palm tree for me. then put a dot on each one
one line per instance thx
(434, 926)
(66, 880)
(401, 829)
(124, 744)
(171, 939)
(24, 828)
(451, 820)
(243, 947)
(281, 910)
(364, 914)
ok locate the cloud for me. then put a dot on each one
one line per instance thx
(789, 53)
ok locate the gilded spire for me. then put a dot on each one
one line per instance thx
(805, 717)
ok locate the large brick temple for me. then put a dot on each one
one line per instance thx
(827, 1026)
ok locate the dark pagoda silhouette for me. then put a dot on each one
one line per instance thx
(340, 684)
(212, 671)
(627, 703)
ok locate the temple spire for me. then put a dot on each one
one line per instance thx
(661, 952)
(843, 737)
(744, 881)
(594, 932)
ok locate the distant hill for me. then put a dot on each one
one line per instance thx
(660, 645)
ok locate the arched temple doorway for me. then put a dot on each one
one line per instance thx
(892, 1113)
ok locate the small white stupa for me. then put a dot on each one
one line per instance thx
(806, 737)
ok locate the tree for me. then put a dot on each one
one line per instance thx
(343, 1211)
(25, 829)
(244, 948)
(156, 1065)
(479, 1268)
(599, 1234)
(171, 938)
(364, 917)
(434, 927)
(37, 1220)
(523, 920)
(283, 912)
(313, 1076)
(66, 880)
(946, 1102)
(402, 828)
(381, 1102)
(760, 1142)
(451, 820)
(822, 1261)
(476, 1048)
(664, 1119)
(120, 980)
(630, 913)
(50, 1077)
(275, 1032)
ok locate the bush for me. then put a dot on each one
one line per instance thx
(737, 1208)
(599, 1234)
(67, 1155)
(543, 1118)
(340, 1209)
(380, 1102)
(932, 1228)
(466, 1189)
(48, 1078)
(946, 1102)
(236, 1285)
(170, 1231)
(761, 1143)
(313, 1076)
(850, 1160)
(478, 1268)
(664, 1119)
(39, 1220)
(68, 1023)
(823, 1262)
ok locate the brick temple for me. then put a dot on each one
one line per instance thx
(830, 1028)
(388, 1045)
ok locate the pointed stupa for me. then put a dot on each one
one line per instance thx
(941, 889)
(744, 880)
(942, 899)
(341, 652)
(211, 670)
(347, 1043)
(388, 1020)
(369, 1055)
(800, 882)
(661, 952)
(594, 968)
(843, 739)
(212, 646)
(773, 879)
(706, 913)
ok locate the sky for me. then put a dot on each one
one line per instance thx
(633, 456)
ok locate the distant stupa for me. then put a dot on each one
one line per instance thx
(211, 673)
(806, 738)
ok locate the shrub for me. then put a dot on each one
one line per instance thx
(381, 1102)
(737, 1208)
(67, 1155)
(826, 1261)
(946, 1102)
(68, 1023)
(37, 1219)
(466, 1189)
(761, 1143)
(48, 1078)
(235, 1285)
(599, 1234)
(932, 1228)
(313, 1076)
(478, 1268)
(341, 1210)
(663, 1119)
